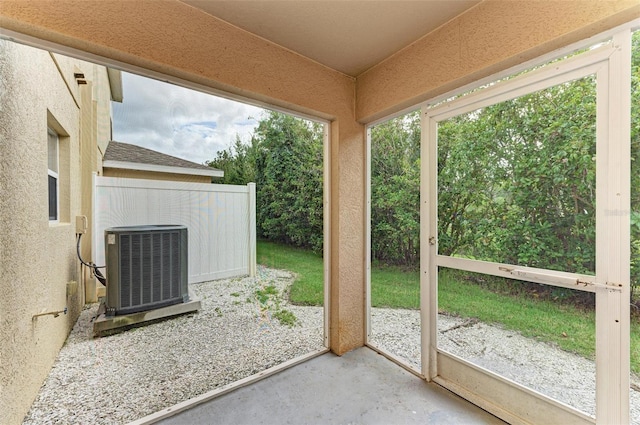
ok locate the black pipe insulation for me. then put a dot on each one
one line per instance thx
(94, 268)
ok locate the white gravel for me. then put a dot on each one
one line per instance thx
(128, 375)
(564, 376)
(125, 376)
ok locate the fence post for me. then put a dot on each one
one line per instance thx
(252, 229)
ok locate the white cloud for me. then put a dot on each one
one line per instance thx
(178, 121)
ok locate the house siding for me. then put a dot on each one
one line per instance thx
(151, 175)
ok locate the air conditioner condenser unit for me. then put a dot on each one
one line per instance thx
(146, 268)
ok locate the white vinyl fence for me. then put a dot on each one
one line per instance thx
(220, 219)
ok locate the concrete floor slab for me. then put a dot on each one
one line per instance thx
(361, 387)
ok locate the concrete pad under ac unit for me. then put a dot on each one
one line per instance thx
(104, 323)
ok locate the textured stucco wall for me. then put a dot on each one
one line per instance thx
(38, 259)
(150, 175)
(493, 36)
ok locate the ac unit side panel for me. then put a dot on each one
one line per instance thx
(184, 265)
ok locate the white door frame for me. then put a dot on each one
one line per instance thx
(611, 65)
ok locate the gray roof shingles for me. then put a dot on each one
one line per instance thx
(124, 152)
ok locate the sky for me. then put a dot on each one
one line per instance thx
(180, 122)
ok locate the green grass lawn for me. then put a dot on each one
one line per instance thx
(395, 288)
(569, 327)
(308, 286)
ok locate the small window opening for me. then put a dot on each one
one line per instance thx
(53, 177)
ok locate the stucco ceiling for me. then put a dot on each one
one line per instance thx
(350, 36)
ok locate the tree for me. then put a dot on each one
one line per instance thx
(635, 162)
(237, 162)
(395, 191)
(284, 159)
(517, 180)
(289, 176)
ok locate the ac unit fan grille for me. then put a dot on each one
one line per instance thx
(150, 268)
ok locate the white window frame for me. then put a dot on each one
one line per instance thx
(53, 173)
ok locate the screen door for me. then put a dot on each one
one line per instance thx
(524, 195)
